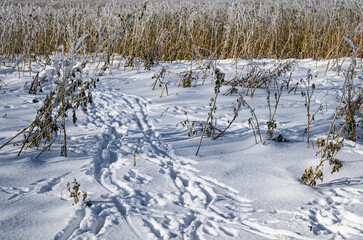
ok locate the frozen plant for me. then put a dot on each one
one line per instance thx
(193, 126)
(209, 126)
(353, 98)
(187, 79)
(71, 92)
(2, 84)
(327, 152)
(327, 149)
(274, 89)
(75, 193)
(307, 93)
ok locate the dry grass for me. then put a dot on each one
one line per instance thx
(167, 30)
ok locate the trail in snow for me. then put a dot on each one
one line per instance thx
(194, 207)
(336, 213)
(171, 198)
(166, 196)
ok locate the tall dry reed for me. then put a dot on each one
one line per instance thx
(173, 30)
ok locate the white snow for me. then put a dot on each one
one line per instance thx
(234, 188)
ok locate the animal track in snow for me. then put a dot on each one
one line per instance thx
(332, 215)
(165, 195)
(199, 200)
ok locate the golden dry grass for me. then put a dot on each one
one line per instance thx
(167, 30)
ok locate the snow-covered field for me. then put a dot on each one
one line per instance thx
(234, 188)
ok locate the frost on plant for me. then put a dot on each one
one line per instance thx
(328, 153)
(70, 92)
(75, 193)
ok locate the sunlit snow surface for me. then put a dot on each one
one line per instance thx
(234, 188)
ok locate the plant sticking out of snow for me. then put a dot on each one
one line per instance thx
(159, 78)
(75, 193)
(193, 126)
(209, 126)
(2, 84)
(236, 109)
(271, 81)
(34, 86)
(274, 89)
(328, 152)
(353, 98)
(307, 93)
(253, 121)
(71, 92)
(328, 149)
(187, 79)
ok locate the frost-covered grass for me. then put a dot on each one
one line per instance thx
(170, 30)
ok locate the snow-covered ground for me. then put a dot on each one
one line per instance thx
(234, 188)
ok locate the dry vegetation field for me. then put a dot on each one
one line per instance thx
(173, 30)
